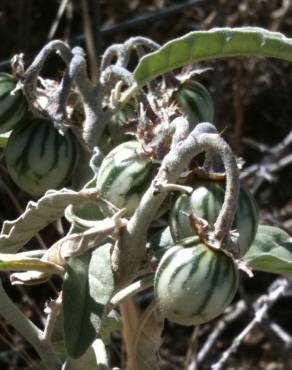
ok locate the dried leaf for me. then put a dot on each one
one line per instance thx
(36, 270)
(13, 263)
(78, 243)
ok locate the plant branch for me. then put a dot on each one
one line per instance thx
(232, 313)
(175, 162)
(117, 51)
(131, 290)
(31, 75)
(53, 310)
(55, 24)
(28, 330)
(122, 51)
(76, 72)
(134, 42)
(116, 73)
(100, 355)
(89, 39)
(226, 216)
(264, 303)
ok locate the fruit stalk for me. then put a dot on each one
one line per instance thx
(214, 142)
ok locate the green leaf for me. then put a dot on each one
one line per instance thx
(215, 43)
(88, 287)
(87, 211)
(57, 337)
(111, 323)
(86, 362)
(271, 251)
(4, 138)
(159, 242)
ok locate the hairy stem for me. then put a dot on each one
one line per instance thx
(30, 78)
(132, 251)
(76, 73)
(30, 332)
(131, 290)
(226, 216)
(117, 51)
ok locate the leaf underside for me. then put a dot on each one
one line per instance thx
(37, 215)
(216, 43)
(88, 287)
(271, 251)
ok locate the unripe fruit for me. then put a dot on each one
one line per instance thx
(39, 158)
(195, 101)
(118, 123)
(194, 285)
(123, 177)
(13, 108)
(206, 202)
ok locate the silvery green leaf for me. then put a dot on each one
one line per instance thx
(111, 323)
(37, 215)
(88, 287)
(215, 43)
(86, 362)
(159, 242)
(4, 138)
(271, 251)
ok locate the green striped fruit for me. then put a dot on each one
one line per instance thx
(115, 131)
(206, 202)
(39, 158)
(123, 178)
(159, 242)
(195, 101)
(13, 108)
(85, 212)
(88, 211)
(194, 285)
(117, 124)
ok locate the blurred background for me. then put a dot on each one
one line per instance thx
(253, 108)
